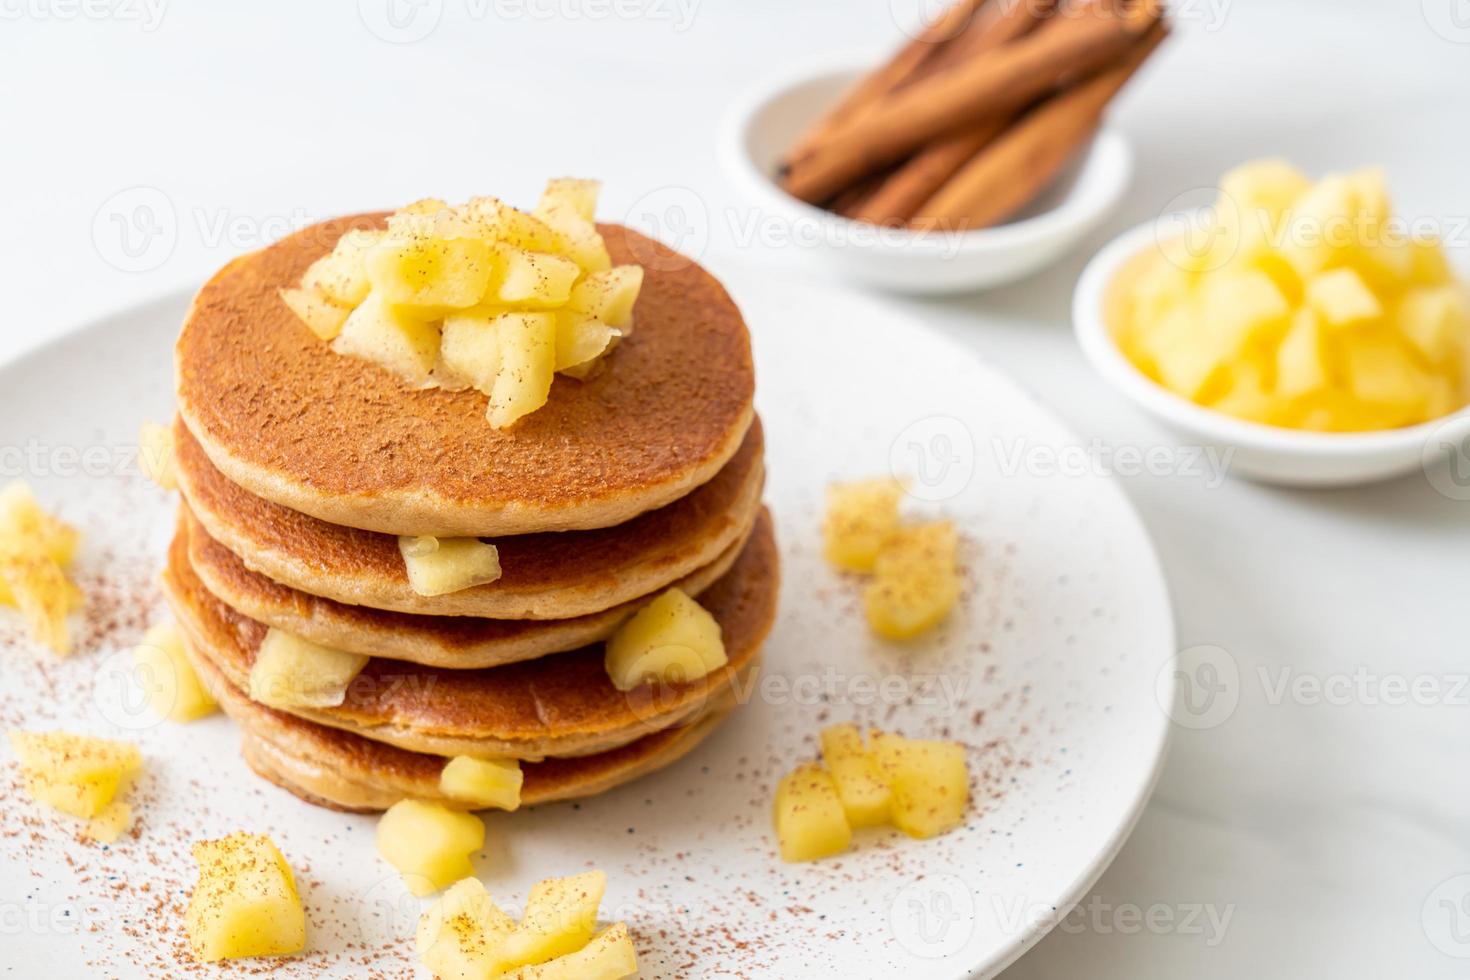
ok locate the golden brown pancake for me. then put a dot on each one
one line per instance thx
(561, 705)
(342, 771)
(552, 575)
(347, 442)
(455, 642)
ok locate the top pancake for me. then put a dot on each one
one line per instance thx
(342, 440)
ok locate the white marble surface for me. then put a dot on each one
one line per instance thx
(1316, 827)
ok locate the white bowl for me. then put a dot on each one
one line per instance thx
(1262, 452)
(760, 127)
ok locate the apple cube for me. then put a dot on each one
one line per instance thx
(1240, 310)
(865, 796)
(1429, 267)
(609, 296)
(245, 902)
(610, 955)
(441, 566)
(321, 316)
(535, 279)
(460, 936)
(576, 237)
(387, 335)
(1270, 185)
(471, 349)
(527, 363)
(341, 275)
(483, 782)
(495, 221)
(1380, 370)
(581, 339)
(673, 639)
(810, 820)
(916, 581)
(431, 274)
(578, 195)
(174, 690)
(156, 455)
(1320, 226)
(290, 672)
(930, 782)
(861, 517)
(1342, 299)
(1435, 321)
(75, 774)
(23, 519)
(561, 916)
(429, 844)
(1301, 360)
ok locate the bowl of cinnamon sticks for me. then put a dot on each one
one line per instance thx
(975, 156)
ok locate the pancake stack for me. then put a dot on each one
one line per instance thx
(300, 469)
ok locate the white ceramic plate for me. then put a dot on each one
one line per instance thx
(1052, 672)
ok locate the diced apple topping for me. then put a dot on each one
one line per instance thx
(451, 297)
(527, 362)
(581, 340)
(810, 820)
(290, 672)
(483, 782)
(392, 337)
(865, 796)
(609, 956)
(1307, 309)
(861, 517)
(245, 902)
(930, 782)
(920, 787)
(429, 844)
(673, 639)
(609, 296)
(579, 195)
(164, 671)
(459, 937)
(915, 582)
(560, 918)
(75, 774)
(440, 566)
(535, 279)
(156, 455)
(341, 276)
(466, 935)
(35, 551)
(323, 317)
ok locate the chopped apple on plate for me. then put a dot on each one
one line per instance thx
(429, 844)
(245, 903)
(483, 782)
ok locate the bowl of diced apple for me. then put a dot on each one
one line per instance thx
(1312, 357)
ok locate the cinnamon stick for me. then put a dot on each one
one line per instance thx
(901, 67)
(1006, 175)
(897, 199)
(970, 92)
